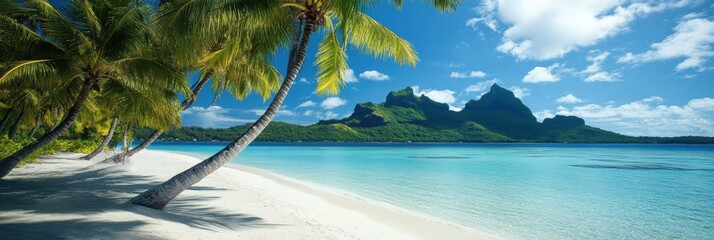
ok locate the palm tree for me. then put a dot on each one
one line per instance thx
(76, 48)
(220, 55)
(150, 106)
(105, 141)
(354, 27)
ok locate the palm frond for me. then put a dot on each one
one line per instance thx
(331, 62)
(371, 37)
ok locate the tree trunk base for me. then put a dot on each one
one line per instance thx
(121, 158)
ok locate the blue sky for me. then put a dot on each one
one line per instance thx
(636, 67)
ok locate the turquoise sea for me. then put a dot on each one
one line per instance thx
(519, 191)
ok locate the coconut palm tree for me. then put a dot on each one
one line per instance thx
(105, 141)
(151, 107)
(146, 105)
(224, 55)
(341, 20)
(77, 47)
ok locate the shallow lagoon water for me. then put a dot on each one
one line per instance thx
(519, 191)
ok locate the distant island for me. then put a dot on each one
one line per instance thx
(498, 116)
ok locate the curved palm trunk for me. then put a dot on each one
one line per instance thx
(105, 141)
(155, 135)
(126, 142)
(5, 119)
(7, 164)
(34, 129)
(159, 196)
(16, 125)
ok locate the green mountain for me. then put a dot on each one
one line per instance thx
(498, 116)
(496, 113)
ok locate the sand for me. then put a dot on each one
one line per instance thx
(62, 197)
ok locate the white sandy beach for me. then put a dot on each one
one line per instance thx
(62, 197)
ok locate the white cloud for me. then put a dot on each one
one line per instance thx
(488, 16)
(548, 29)
(471, 74)
(480, 86)
(303, 80)
(281, 112)
(570, 98)
(520, 92)
(595, 58)
(654, 99)
(320, 115)
(594, 71)
(648, 117)
(350, 76)
(213, 116)
(602, 77)
(374, 75)
(542, 74)
(692, 40)
(702, 103)
(489, 22)
(441, 96)
(328, 115)
(306, 104)
(333, 102)
(543, 115)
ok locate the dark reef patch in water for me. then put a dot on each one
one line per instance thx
(641, 167)
(615, 161)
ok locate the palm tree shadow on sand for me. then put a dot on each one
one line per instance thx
(66, 202)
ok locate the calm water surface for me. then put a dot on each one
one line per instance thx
(519, 191)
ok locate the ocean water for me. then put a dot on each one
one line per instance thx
(518, 191)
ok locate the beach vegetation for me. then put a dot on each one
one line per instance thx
(76, 52)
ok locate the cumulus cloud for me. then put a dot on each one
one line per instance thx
(548, 29)
(692, 41)
(303, 80)
(374, 75)
(471, 74)
(570, 98)
(350, 76)
(213, 116)
(328, 115)
(543, 115)
(602, 77)
(480, 86)
(542, 74)
(332, 102)
(520, 92)
(306, 104)
(648, 117)
(441, 96)
(488, 16)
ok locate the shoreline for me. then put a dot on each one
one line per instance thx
(457, 143)
(66, 198)
(411, 222)
(427, 226)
